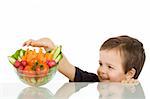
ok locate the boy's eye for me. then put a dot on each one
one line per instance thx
(100, 64)
(110, 67)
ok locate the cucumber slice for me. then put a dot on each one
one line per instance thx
(11, 60)
(53, 51)
(19, 58)
(40, 80)
(22, 52)
(17, 53)
(33, 80)
(57, 52)
(45, 80)
(60, 56)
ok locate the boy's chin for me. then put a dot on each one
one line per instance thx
(104, 80)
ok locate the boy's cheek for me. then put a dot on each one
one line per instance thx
(116, 77)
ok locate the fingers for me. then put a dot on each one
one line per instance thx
(33, 43)
(124, 81)
(28, 43)
(43, 42)
(46, 42)
(130, 81)
(38, 44)
(135, 82)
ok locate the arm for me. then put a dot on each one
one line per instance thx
(66, 68)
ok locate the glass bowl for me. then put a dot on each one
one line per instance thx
(36, 68)
(37, 79)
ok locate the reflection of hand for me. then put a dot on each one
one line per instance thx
(120, 90)
(43, 42)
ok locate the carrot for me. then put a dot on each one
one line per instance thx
(48, 56)
(28, 71)
(25, 56)
(29, 56)
(40, 56)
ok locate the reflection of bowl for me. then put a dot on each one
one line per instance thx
(35, 93)
(37, 79)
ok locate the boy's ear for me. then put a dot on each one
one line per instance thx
(130, 74)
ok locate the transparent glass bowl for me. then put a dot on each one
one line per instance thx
(37, 79)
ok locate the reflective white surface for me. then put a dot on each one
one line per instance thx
(72, 91)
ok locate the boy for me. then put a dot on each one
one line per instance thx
(121, 60)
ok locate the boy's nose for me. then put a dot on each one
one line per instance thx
(103, 69)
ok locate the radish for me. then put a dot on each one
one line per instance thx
(51, 63)
(24, 62)
(17, 64)
(20, 68)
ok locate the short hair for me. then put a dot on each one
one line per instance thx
(132, 50)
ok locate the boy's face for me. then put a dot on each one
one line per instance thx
(110, 69)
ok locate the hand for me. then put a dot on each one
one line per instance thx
(43, 42)
(131, 84)
(65, 67)
(130, 81)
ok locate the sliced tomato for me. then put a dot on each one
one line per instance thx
(28, 70)
(38, 70)
(44, 69)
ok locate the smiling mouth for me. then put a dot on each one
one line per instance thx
(102, 78)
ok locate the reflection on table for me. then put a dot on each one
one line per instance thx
(76, 90)
(106, 91)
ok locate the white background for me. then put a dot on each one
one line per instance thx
(79, 26)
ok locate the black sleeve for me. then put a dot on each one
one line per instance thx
(83, 76)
